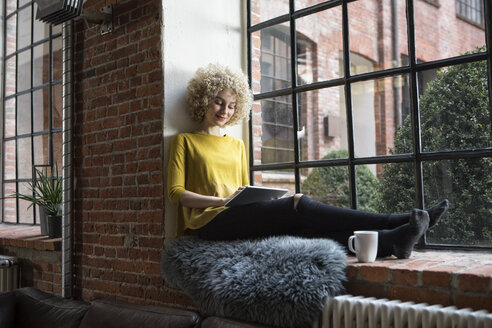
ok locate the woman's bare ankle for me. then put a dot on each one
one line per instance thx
(297, 198)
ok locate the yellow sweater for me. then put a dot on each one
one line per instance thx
(208, 165)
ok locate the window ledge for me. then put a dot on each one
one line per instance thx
(27, 237)
(462, 279)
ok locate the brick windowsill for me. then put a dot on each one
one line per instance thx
(462, 279)
(26, 236)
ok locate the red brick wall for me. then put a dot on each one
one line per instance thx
(119, 205)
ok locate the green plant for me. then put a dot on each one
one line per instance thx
(455, 115)
(331, 184)
(46, 192)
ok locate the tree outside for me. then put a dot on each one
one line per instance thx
(330, 185)
(454, 116)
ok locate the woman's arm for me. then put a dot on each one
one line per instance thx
(194, 200)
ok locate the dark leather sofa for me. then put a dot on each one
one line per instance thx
(32, 308)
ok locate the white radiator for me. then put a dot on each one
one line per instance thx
(347, 311)
(8, 273)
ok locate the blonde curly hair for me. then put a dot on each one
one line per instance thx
(209, 81)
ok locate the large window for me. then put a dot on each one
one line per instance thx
(370, 105)
(31, 104)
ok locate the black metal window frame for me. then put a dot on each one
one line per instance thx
(30, 91)
(418, 157)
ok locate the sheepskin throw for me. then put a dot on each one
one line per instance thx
(277, 281)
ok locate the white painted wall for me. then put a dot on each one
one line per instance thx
(196, 33)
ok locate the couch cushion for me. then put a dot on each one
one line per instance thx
(216, 322)
(7, 304)
(35, 308)
(109, 314)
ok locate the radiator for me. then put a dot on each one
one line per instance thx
(349, 311)
(9, 272)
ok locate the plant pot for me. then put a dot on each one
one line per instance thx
(43, 221)
(54, 226)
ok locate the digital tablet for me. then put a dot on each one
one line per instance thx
(253, 194)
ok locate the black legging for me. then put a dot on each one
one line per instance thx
(308, 219)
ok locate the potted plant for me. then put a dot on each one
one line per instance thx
(47, 194)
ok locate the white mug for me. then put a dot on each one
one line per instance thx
(366, 245)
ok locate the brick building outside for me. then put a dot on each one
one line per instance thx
(378, 41)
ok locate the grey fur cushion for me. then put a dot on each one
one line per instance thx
(277, 281)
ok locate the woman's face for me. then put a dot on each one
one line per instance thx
(220, 109)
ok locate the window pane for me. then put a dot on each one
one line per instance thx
(41, 30)
(271, 58)
(57, 59)
(262, 10)
(10, 204)
(56, 29)
(57, 106)
(57, 149)
(23, 2)
(25, 214)
(378, 116)
(276, 179)
(376, 37)
(11, 6)
(322, 124)
(396, 188)
(367, 188)
(300, 4)
(446, 35)
(10, 78)
(273, 133)
(24, 163)
(41, 110)
(11, 33)
(24, 114)
(9, 124)
(455, 112)
(24, 30)
(41, 63)
(320, 46)
(24, 71)
(9, 160)
(329, 185)
(41, 149)
(467, 184)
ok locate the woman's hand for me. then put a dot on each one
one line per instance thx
(233, 195)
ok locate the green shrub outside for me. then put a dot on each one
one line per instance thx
(330, 185)
(454, 116)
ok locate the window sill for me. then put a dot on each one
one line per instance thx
(462, 279)
(27, 237)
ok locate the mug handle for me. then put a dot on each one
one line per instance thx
(351, 244)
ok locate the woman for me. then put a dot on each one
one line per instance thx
(206, 169)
